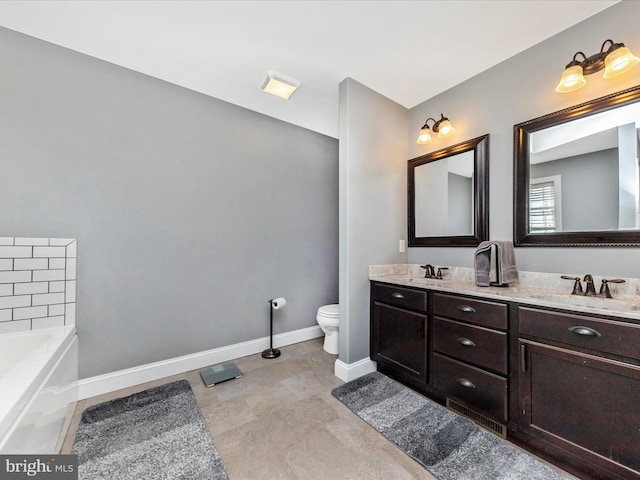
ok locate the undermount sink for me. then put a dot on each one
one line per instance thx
(425, 280)
(429, 281)
(618, 304)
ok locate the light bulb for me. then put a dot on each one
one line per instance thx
(619, 61)
(572, 79)
(424, 136)
(445, 129)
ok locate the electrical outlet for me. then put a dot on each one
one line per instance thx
(401, 246)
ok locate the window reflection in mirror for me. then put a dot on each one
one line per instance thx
(545, 204)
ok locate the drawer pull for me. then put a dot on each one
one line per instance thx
(466, 308)
(466, 342)
(466, 383)
(397, 295)
(585, 331)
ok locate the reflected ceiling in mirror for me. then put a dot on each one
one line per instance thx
(448, 195)
(576, 175)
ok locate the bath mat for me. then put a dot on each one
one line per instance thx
(156, 434)
(451, 447)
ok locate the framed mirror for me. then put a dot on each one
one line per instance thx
(576, 179)
(448, 196)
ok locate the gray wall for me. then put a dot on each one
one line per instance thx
(373, 168)
(627, 176)
(519, 89)
(190, 213)
(460, 201)
(589, 189)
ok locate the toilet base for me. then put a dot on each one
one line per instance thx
(328, 318)
(331, 343)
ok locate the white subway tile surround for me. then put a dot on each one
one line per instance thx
(37, 283)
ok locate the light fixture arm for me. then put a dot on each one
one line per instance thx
(611, 47)
(426, 123)
(436, 123)
(575, 60)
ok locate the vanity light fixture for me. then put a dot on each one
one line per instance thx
(615, 60)
(279, 85)
(442, 127)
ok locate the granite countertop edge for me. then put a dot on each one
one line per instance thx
(530, 295)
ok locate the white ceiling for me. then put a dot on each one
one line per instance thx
(589, 134)
(408, 51)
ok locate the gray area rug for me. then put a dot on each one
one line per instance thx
(451, 447)
(156, 434)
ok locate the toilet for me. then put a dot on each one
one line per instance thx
(329, 318)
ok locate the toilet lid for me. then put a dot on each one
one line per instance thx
(330, 310)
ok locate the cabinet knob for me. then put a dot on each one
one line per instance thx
(466, 308)
(584, 331)
(466, 383)
(466, 342)
(397, 295)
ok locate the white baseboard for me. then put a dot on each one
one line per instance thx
(129, 377)
(350, 371)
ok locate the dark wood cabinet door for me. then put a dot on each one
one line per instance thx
(582, 403)
(399, 340)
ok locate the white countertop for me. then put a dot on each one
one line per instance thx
(533, 288)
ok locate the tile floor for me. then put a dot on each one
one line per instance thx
(279, 421)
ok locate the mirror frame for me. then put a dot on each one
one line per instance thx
(480, 147)
(521, 139)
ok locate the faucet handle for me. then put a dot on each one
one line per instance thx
(604, 287)
(440, 269)
(577, 286)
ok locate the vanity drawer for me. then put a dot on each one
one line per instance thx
(402, 297)
(608, 336)
(480, 312)
(478, 345)
(484, 390)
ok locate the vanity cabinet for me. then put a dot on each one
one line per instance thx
(565, 384)
(579, 387)
(470, 352)
(398, 333)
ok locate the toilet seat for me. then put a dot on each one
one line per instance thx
(328, 321)
(329, 311)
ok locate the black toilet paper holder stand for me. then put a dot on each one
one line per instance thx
(271, 352)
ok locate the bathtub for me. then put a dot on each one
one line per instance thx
(39, 389)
